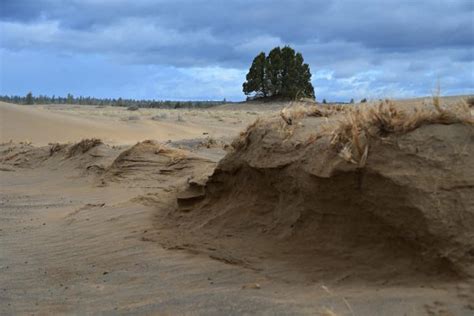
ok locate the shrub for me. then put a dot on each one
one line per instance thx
(470, 101)
(29, 99)
(159, 117)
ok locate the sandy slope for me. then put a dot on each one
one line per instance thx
(77, 239)
(82, 227)
(44, 124)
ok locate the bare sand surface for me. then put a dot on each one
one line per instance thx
(43, 124)
(95, 228)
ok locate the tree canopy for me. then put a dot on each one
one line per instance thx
(29, 98)
(283, 73)
(87, 100)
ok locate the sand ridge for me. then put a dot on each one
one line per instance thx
(92, 227)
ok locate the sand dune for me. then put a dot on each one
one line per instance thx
(390, 196)
(307, 213)
(48, 124)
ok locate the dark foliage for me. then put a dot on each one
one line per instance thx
(282, 73)
(70, 99)
(29, 99)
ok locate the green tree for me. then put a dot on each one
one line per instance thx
(256, 77)
(283, 73)
(274, 67)
(70, 99)
(29, 98)
(303, 78)
(289, 73)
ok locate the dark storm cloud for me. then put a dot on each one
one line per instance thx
(385, 25)
(348, 39)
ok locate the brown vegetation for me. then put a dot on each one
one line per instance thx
(83, 146)
(353, 132)
(470, 102)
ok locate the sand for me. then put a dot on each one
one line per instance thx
(43, 124)
(116, 227)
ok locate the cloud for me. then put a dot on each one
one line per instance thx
(367, 47)
(258, 44)
(87, 75)
(193, 83)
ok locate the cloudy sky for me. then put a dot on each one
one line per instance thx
(201, 49)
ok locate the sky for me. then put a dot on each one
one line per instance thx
(202, 49)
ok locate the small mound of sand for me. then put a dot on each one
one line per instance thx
(375, 192)
(141, 157)
(19, 155)
(84, 154)
(153, 162)
(143, 164)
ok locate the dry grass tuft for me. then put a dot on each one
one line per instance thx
(83, 146)
(327, 312)
(297, 111)
(353, 132)
(351, 128)
(56, 147)
(470, 102)
(208, 142)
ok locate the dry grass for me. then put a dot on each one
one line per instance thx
(292, 115)
(470, 102)
(355, 129)
(56, 147)
(327, 312)
(296, 111)
(210, 142)
(352, 127)
(83, 146)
